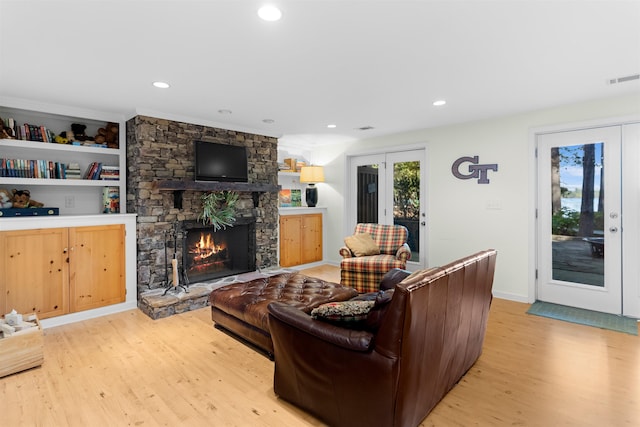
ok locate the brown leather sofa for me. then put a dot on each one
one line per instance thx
(431, 334)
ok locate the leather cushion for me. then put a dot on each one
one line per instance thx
(248, 301)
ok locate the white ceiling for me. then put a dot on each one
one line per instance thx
(348, 63)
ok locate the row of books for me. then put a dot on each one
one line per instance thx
(21, 168)
(29, 132)
(47, 169)
(97, 170)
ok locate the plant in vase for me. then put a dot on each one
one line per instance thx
(219, 209)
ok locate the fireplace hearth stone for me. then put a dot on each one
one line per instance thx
(156, 305)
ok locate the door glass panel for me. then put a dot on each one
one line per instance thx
(406, 202)
(577, 208)
(367, 194)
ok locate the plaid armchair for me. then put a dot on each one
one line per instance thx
(365, 272)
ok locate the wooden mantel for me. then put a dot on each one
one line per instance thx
(178, 187)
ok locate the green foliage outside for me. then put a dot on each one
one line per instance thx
(406, 190)
(566, 222)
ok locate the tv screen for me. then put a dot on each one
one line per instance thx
(220, 162)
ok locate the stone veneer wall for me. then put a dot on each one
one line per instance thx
(159, 149)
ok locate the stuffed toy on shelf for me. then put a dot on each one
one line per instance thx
(22, 199)
(6, 199)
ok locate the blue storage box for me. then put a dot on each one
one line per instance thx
(11, 212)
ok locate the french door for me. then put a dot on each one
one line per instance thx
(580, 219)
(389, 188)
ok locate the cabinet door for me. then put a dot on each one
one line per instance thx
(34, 270)
(290, 242)
(311, 238)
(97, 266)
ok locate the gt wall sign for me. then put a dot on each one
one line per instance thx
(476, 171)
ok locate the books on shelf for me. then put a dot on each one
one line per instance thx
(22, 168)
(92, 171)
(97, 170)
(110, 173)
(47, 169)
(73, 171)
(28, 131)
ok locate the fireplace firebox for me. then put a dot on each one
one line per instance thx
(209, 254)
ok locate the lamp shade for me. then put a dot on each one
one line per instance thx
(312, 174)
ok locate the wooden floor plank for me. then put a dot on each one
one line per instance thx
(126, 369)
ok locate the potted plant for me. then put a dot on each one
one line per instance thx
(219, 209)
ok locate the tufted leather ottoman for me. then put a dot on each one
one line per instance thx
(241, 308)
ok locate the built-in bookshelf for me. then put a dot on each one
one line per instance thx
(70, 177)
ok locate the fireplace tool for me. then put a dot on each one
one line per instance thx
(174, 283)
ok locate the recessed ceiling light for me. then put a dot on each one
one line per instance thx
(331, 126)
(161, 85)
(224, 111)
(268, 121)
(269, 13)
(439, 103)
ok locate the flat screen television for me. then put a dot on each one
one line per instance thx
(220, 162)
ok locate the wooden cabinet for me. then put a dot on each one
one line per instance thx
(311, 235)
(34, 274)
(97, 266)
(290, 240)
(300, 239)
(56, 271)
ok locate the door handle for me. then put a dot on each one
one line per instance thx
(423, 223)
(613, 229)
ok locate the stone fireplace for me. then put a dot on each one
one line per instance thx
(162, 192)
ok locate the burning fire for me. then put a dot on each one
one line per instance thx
(205, 248)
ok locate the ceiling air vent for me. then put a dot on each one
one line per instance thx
(624, 79)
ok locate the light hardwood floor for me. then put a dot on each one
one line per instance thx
(126, 369)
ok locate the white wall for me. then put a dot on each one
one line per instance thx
(463, 216)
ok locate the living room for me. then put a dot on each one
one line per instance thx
(462, 215)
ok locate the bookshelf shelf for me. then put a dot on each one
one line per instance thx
(38, 146)
(8, 182)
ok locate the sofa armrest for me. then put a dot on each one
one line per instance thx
(301, 322)
(346, 252)
(403, 253)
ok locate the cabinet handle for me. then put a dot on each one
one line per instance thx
(65, 250)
